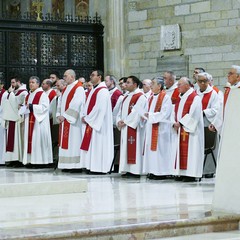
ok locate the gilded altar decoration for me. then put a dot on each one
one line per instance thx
(58, 9)
(82, 7)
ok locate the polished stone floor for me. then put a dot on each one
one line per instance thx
(109, 201)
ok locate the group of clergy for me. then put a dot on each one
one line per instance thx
(161, 124)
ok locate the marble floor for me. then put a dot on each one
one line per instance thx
(109, 202)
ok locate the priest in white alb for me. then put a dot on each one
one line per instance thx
(97, 146)
(157, 161)
(130, 123)
(37, 135)
(70, 103)
(189, 131)
(14, 123)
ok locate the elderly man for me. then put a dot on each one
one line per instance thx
(171, 86)
(157, 161)
(190, 133)
(146, 85)
(37, 136)
(70, 103)
(14, 123)
(210, 106)
(97, 144)
(129, 122)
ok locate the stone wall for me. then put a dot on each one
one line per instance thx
(210, 32)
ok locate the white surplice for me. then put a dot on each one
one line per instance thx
(132, 120)
(170, 90)
(41, 139)
(70, 158)
(2, 129)
(213, 105)
(159, 162)
(52, 107)
(193, 124)
(99, 156)
(13, 102)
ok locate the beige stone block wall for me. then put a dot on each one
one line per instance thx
(210, 35)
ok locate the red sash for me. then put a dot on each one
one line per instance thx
(11, 128)
(132, 133)
(205, 100)
(32, 119)
(1, 94)
(184, 136)
(51, 95)
(88, 131)
(226, 93)
(63, 137)
(116, 94)
(155, 126)
(215, 89)
(175, 96)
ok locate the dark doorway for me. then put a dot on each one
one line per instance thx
(30, 47)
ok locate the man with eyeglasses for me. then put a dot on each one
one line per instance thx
(196, 71)
(210, 104)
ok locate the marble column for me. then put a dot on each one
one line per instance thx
(115, 37)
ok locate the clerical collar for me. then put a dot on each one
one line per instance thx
(95, 85)
(155, 94)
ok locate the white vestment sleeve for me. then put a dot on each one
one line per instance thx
(133, 119)
(214, 106)
(41, 110)
(96, 116)
(190, 120)
(72, 113)
(164, 114)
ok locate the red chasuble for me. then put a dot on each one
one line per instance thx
(63, 137)
(88, 131)
(205, 100)
(32, 119)
(11, 128)
(51, 95)
(116, 94)
(155, 126)
(175, 96)
(131, 132)
(184, 136)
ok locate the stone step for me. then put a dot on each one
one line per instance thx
(34, 183)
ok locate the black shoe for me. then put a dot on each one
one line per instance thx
(66, 170)
(209, 175)
(76, 170)
(150, 176)
(96, 173)
(189, 179)
(178, 178)
(130, 175)
(18, 165)
(156, 177)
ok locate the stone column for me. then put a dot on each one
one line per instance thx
(114, 38)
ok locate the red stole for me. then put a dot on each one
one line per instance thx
(11, 128)
(184, 136)
(215, 89)
(226, 93)
(131, 132)
(1, 94)
(205, 99)
(175, 96)
(155, 126)
(88, 131)
(32, 119)
(51, 95)
(116, 94)
(63, 137)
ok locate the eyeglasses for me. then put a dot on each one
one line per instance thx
(202, 81)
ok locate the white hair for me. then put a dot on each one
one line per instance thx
(205, 74)
(237, 68)
(186, 80)
(147, 81)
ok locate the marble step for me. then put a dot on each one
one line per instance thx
(35, 183)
